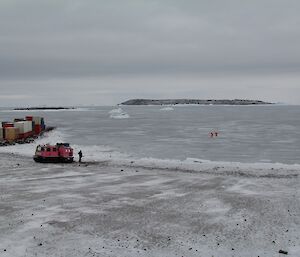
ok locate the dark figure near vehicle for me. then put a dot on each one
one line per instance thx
(80, 155)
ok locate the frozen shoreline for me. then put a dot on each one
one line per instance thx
(110, 209)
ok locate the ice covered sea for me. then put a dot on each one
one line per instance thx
(247, 134)
(156, 184)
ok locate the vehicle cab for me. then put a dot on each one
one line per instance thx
(61, 152)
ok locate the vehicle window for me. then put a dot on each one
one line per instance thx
(42, 149)
(39, 148)
(48, 149)
(54, 149)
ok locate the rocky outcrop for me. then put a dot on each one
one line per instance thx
(192, 101)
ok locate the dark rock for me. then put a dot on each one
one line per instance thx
(43, 108)
(283, 252)
(40, 244)
(192, 101)
(4, 250)
(190, 248)
(232, 249)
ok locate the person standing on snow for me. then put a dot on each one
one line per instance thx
(80, 155)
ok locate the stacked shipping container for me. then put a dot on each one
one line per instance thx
(5, 125)
(21, 128)
(39, 124)
(25, 128)
(1, 132)
(11, 134)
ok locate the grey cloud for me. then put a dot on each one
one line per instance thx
(99, 37)
(75, 39)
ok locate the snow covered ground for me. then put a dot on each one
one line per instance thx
(110, 209)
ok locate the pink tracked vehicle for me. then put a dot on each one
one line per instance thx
(61, 152)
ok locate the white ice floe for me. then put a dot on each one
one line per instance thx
(118, 110)
(167, 109)
(118, 114)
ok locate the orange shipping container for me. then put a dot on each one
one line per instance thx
(11, 134)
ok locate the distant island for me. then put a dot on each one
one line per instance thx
(42, 108)
(192, 101)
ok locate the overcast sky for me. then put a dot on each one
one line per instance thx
(103, 52)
